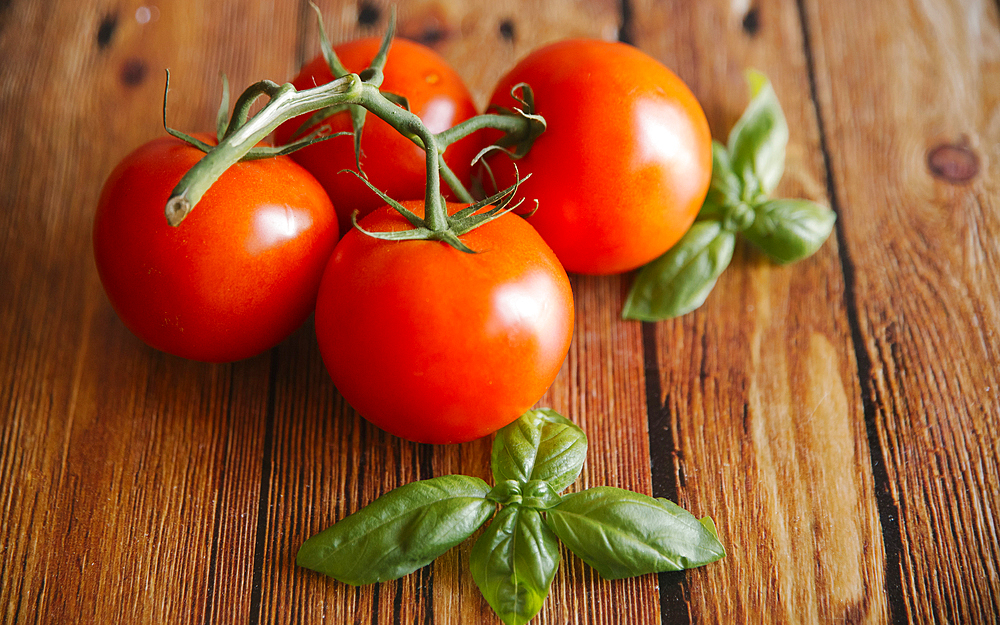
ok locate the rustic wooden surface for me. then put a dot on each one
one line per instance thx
(839, 418)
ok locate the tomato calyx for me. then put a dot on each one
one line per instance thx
(735, 217)
(455, 225)
(518, 142)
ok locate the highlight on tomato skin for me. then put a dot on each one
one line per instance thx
(625, 161)
(440, 346)
(234, 279)
(435, 93)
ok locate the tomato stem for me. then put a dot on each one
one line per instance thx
(514, 126)
(241, 111)
(411, 126)
(244, 132)
(285, 103)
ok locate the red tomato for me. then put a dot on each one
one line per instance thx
(625, 162)
(393, 163)
(440, 346)
(236, 277)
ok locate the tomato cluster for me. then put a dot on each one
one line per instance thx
(426, 340)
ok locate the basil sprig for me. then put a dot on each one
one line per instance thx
(513, 562)
(744, 175)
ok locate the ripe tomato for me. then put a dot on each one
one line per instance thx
(392, 163)
(236, 277)
(625, 162)
(440, 346)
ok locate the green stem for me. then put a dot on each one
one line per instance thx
(514, 126)
(285, 103)
(406, 122)
(456, 186)
(241, 111)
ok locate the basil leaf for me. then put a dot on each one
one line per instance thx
(622, 534)
(726, 187)
(706, 521)
(790, 230)
(757, 142)
(401, 531)
(540, 445)
(514, 562)
(680, 280)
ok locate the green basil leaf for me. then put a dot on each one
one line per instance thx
(540, 445)
(757, 142)
(790, 230)
(401, 531)
(622, 534)
(726, 187)
(514, 562)
(673, 508)
(680, 280)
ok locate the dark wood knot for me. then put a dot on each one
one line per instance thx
(133, 72)
(751, 21)
(106, 31)
(507, 31)
(368, 14)
(955, 163)
(430, 28)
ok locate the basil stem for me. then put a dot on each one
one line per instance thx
(725, 189)
(680, 280)
(540, 445)
(401, 531)
(622, 534)
(514, 563)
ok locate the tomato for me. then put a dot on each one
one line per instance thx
(437, 345)
(236, 277)
(392, 163)
(626, 158)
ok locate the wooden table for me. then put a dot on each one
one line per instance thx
(838, 418)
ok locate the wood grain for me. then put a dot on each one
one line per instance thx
(125, 496)
(918, 261)
(837, 418)
(759, 402)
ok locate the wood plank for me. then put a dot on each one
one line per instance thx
(914, 161)
(130, 477)
(760, 421)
